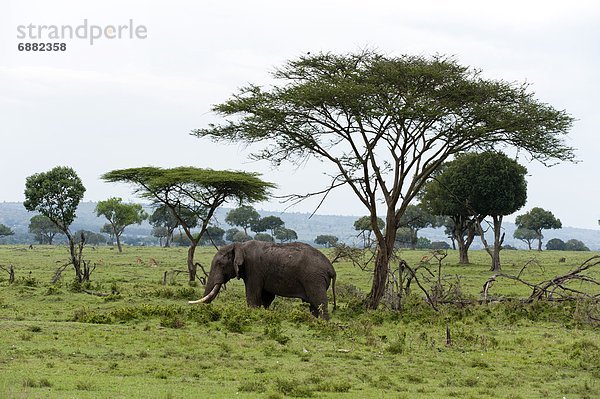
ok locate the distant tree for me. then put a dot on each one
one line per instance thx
(555, 244)
(240, 236)
(575, 245)
(422, 243)
(91, 238)
(285, 235)
(364, 226)
(5, 231)
(56, 195)
(326, 240)
(404, 237)
(230, 233)
(161, 232)
(164, 217)
(525, 235)
(477, 185)
(213, 235)
(269, 223)
(245, 216)
(440, 245)
(43, 229)
(384, 124)
(264, 237)
(120, 215)
(415, 218)
(538, 219)
(107, 229)
(199, 191)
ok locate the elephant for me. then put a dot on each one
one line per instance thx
(293, 270)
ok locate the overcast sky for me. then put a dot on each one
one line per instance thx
(132, 102)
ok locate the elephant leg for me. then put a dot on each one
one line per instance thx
(254, 296)
(319, 310)
(267, 299)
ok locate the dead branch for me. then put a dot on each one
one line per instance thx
(58, 273)
(361, 258)
(555, 289)
(11, 273)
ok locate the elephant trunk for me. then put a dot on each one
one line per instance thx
(208, 298)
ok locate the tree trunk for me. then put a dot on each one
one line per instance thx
(498, 240)
(118, 237)
(385, 248)
(539, 240)
(119, 243)
(463, 251)
(494, 251)
(190, 260)
(74, 257)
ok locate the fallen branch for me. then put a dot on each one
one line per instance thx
(555, 289)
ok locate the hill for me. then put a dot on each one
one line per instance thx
(14, 215)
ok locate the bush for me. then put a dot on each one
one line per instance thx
(555, 244)
(575, 245)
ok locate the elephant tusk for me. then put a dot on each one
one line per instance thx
(208, 298)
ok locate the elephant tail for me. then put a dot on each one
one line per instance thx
(333, 276)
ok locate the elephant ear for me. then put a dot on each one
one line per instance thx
(238, 258)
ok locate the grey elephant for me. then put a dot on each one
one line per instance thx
(293, 270)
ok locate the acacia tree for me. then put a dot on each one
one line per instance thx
(120, 215)
(364, 227)
(245, 216)
(56, 195)
(525, 235)
(327, 240)
(284, 234)
(385, 124)
(192, 190)
(165, 222)
(415, 218)
(267, 223)
(538, 219)
(43, 229)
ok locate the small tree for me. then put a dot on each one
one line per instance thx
(555, 244)
(230, 233)
(195, 190)
(240, 236)
(525, 235)
(327, 240)
(269, 223)
(244, 217)
(285, 235)
(213, 236)
(575, 245)
(164, 217)
(416, 218)
(538, 219)
(364, 226)
(120, 215)
(56, 195)
(43, 229)
(5, 231)
(264, 237)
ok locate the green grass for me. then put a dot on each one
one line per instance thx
(147, 341)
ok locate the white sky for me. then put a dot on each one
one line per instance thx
(127, 103)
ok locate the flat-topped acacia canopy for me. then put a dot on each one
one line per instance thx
(196, 190)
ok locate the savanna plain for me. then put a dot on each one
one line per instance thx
(143, 340)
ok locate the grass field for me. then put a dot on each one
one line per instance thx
(146, 342)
